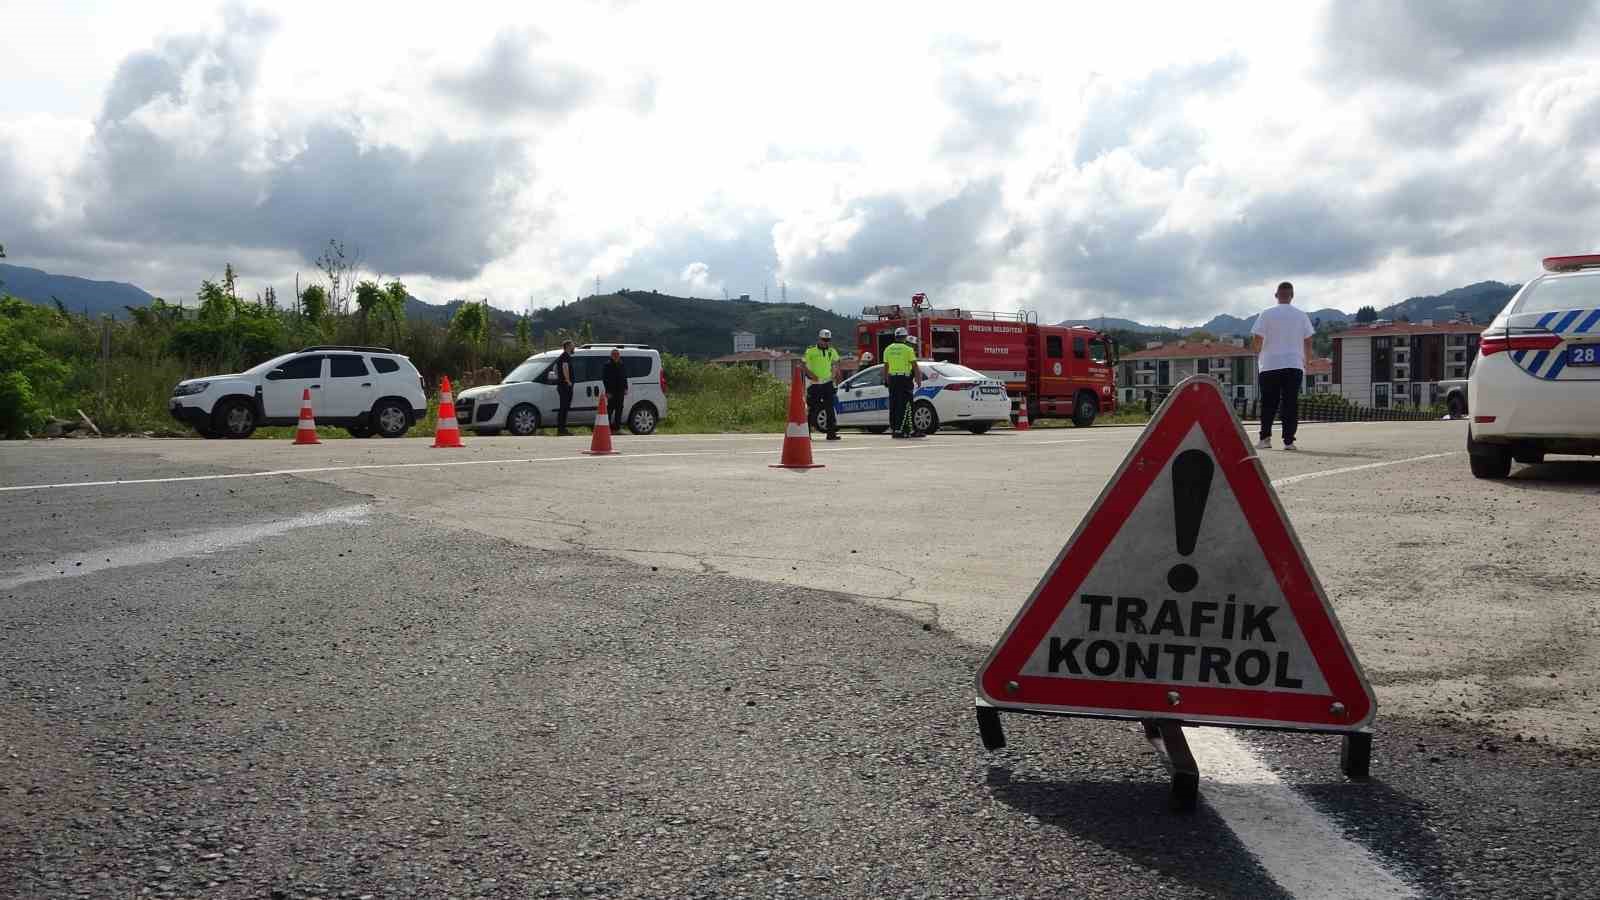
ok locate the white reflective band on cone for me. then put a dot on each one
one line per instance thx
(799, 431)
(446, 423)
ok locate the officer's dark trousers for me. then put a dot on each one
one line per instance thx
(819, 398)
(614, 410)
(1280, 391)
(900, 404)
(564, 394)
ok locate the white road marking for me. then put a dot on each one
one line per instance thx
(173, 548)
(1306, 854)
(575, 457)
(1323, 473)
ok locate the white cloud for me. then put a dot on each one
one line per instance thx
(1150, 160)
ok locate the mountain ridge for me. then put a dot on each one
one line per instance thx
(702, 326)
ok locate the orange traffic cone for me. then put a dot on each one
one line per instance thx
(307, 432)
(447, 433)
(797, 437)
(601, 445)
(1022, 415)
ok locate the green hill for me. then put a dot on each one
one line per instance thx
(1483, 301)
(79, 295)
(690, 327)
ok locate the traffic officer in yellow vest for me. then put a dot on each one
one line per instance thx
(900, 362)
(822, 367)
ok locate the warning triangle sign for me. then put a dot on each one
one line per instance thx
(1183, 594)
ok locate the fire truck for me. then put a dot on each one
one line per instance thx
(1059, 371)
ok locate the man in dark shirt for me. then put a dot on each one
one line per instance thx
(564, 386)
(616, 383)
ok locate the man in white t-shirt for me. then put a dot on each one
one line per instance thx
(1282, 341)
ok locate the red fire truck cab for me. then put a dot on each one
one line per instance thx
(1060, 371)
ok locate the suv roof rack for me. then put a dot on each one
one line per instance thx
(598, 344)
(347, 347)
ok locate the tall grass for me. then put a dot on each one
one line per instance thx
(702, 397)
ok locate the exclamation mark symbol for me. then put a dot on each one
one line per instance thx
(1191, 485)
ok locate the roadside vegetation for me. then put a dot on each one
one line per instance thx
(120, 372)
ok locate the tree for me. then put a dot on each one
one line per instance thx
(314, 302)
(1200, 336)
(392, 309)
(586, 333)
(270, 299)
(471, 326)
(524, 333)
(368, 298)
(341, 268)
(216, 305)
(1366, 314)
(229, 281)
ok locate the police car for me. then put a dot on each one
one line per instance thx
(949, 395)
(1535, 385)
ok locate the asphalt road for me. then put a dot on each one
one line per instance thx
(676, 672)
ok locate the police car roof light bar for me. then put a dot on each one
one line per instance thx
(1571, 263)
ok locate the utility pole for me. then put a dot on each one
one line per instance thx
(764, 292)
(597, 285)
(783, 291)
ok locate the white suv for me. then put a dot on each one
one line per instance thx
(368, 390)
(526, 399)
(1535, 385)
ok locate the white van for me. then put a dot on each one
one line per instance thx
(526, 400)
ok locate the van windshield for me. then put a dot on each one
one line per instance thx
(528, 371)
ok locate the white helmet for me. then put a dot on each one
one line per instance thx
(824, 335)
(912, 340)
(866, 356)
(900, 332)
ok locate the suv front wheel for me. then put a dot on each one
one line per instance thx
(391, 419)
(235, 419)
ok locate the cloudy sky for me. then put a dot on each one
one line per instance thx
(1160, 161)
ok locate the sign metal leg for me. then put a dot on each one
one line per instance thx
(1167, 739)
(990, 730)
(1355, 756)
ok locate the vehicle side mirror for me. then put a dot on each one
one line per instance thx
(277, 374)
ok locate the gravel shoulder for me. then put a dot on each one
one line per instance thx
(403, 711)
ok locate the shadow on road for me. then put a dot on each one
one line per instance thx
(1134, 819)
(1556, 475)
(1323, 454)
(1389, 822)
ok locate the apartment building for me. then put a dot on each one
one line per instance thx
(1387, 364)
(1159, 366)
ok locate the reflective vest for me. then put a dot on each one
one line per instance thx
(820, 362)
(899, 359)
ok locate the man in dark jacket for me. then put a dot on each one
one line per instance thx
(616, 384)
(564, 383)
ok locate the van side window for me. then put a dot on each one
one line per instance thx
(587, 368)
(636, 366)
(1052, 346)
(385, 365)
(1078, 348)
